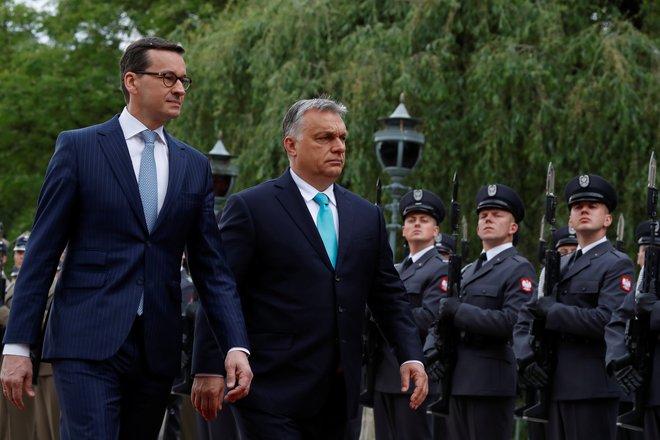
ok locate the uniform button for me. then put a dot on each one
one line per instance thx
(140, 282)
(337, 278)
(340, 309)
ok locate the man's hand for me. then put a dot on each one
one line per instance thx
(628, 378)
(644, 303)
(16, 375)
(535, 375)
(239, 375)
(448, 307)
(206, 395)
(543, 306)
(415, 371)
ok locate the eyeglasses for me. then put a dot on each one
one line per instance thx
(169, 78)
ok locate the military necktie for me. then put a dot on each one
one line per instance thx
(480, 261)
(148, 185)
(326, 225)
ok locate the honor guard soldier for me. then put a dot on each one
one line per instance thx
(593, 282)
(618, 336)
(445, 245)
(565, 240)
(424, 274)
(493, 289)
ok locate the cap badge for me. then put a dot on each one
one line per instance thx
(583, 181)
(571, 231)
(418, 194)
(492, 190)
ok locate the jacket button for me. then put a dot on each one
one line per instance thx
(340, 309)
(337, 278)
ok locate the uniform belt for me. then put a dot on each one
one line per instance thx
(475, 340)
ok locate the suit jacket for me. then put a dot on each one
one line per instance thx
(588, 292)
(90, 202)
(304, 318)
(426, 284)
(490, 300)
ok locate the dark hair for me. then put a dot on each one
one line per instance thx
(136, 56)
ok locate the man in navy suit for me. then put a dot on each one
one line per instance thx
(304, 299)
(114, 332)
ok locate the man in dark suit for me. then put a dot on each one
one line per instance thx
(126, 198)
(305, 271)
(493, 289)
(424, 275)
(593, 283)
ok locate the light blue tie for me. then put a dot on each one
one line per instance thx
(326, 225)
(147, 181)
(148, 185)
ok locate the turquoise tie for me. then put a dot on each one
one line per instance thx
(326, 225)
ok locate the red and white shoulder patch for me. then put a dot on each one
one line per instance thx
(444, 284)
(626, 283)
(526, 285)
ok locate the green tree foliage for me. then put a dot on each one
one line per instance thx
(502, 87)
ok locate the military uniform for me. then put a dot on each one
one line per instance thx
(425, 280)
(492, 292)
(584, 397)
(615, 338)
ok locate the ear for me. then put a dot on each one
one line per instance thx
(130, 80)
(608, 220)
(436, 231)
(290, 146)
(513, 228)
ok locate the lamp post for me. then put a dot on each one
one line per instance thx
(398, 148)
(224, 174)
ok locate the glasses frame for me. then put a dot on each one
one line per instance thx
(186, 81)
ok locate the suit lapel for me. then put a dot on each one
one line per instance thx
(410, 270)
(293, 204)
(113, 145)
(585, 260)
(346, 222)
(488, 265)
(177, 167)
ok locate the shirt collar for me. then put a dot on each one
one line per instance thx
(492, 253)
(308, 191)
(590, 246)
(131, 126)
(417, 255)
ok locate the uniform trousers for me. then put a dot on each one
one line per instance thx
(117, 398)
(583, 419)
(480, 418)
(652, 423)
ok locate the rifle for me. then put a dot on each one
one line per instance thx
(640, 339)
(447, 335)
(465, 244)
(620, 229)
(544, 342)
(370, 343)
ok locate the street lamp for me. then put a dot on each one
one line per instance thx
(224, 173)
(399, 148)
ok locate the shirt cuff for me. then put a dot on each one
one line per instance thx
(244, 350)
(415, 362)
(17, 350)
